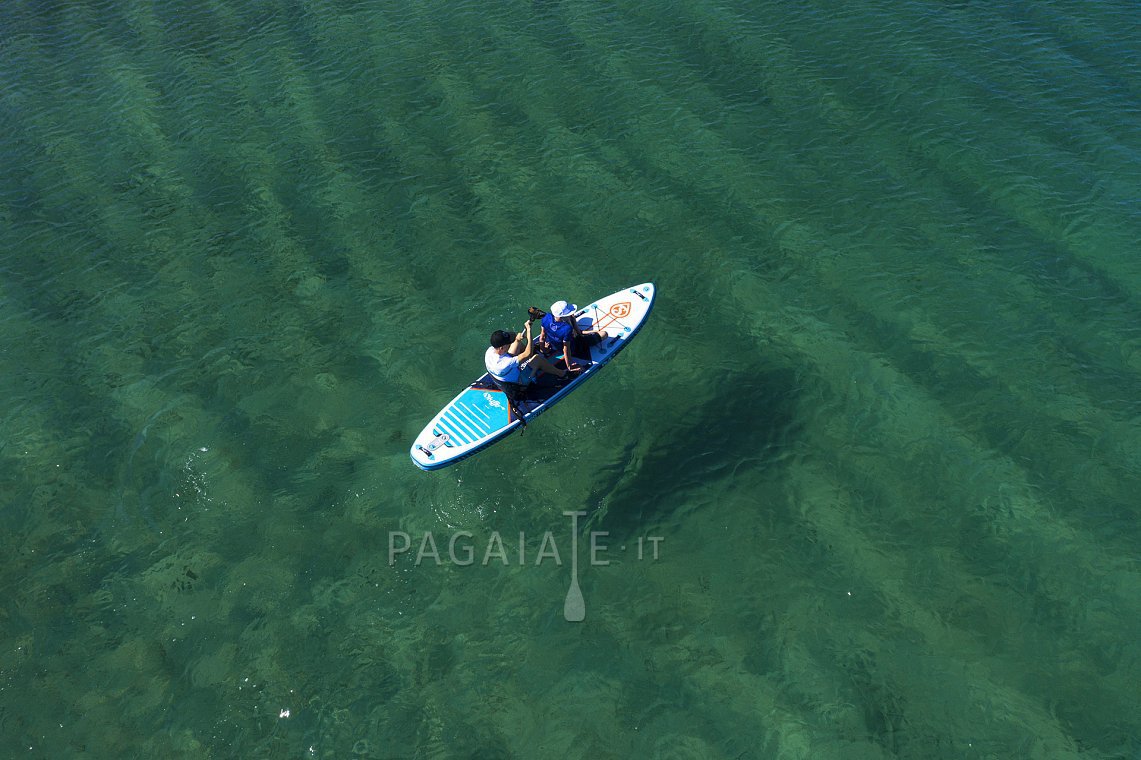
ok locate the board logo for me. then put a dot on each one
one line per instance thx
(620, 310)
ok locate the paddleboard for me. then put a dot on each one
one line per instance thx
(481, 415)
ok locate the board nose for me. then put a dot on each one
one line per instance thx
(645, 291)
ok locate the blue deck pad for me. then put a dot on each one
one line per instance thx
(481, 412)
(476, 414)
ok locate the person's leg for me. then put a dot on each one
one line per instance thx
(540, 362)
(580, 345)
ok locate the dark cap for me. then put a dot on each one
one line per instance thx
(501, 338)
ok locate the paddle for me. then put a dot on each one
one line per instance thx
(574, 607)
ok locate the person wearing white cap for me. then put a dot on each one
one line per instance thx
(562, 332)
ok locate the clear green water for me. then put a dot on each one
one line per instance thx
(886, 417)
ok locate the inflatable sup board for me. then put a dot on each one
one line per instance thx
(481, 414)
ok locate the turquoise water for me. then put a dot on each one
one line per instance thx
(883, 427)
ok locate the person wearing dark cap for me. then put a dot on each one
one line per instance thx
(512, 358)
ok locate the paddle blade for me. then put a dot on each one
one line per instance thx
(574, 608)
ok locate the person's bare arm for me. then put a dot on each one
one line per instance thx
(525, 351)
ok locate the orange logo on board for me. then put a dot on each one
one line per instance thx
(620, 310)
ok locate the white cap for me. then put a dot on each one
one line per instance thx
(563, 309)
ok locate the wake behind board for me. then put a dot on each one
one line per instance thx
(481, 415)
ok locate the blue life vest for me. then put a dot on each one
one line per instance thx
(557, 333)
